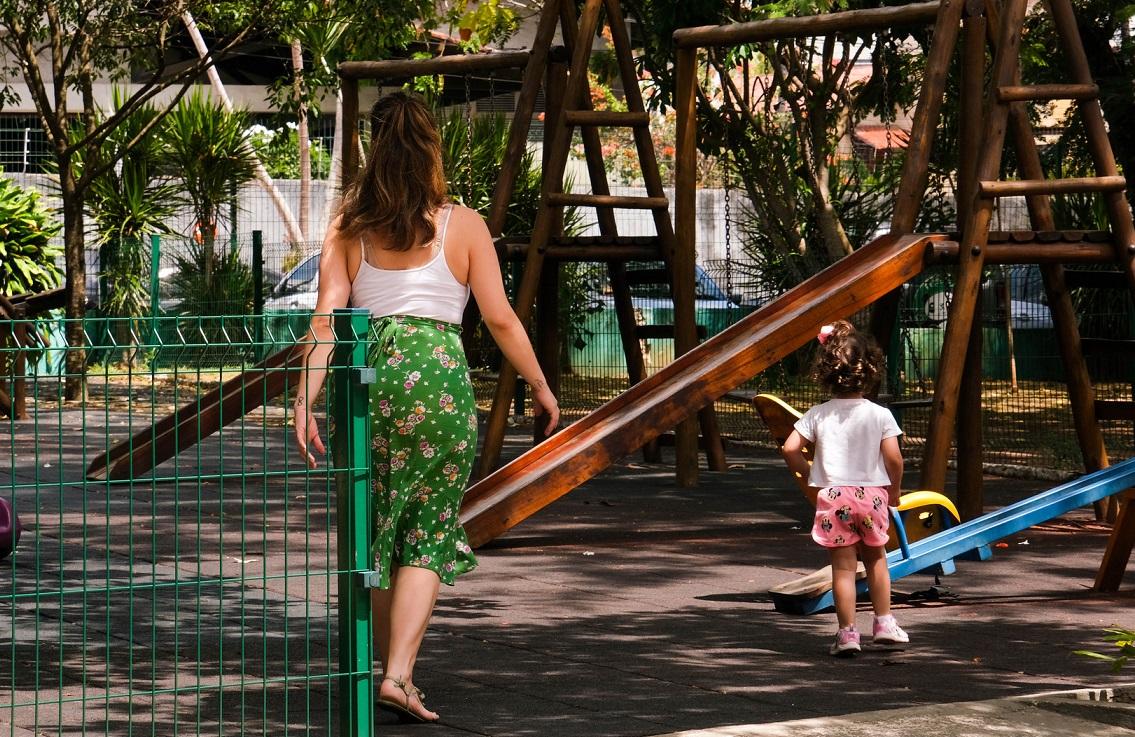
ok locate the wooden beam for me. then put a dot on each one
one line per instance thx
(1073, 185)
(1044, 92)
(456, 64)
(609, 118)
(1035, 252)
(806, 26)
(563, 199)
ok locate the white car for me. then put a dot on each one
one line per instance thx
(298, 289)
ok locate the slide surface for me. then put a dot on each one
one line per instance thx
(200, 418)
(987, 529)
(658, 403)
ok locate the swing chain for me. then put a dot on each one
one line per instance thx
(728, 230)
(468, 143)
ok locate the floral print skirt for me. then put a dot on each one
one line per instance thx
(423, 440)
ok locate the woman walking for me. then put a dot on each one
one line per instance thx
(400, 249)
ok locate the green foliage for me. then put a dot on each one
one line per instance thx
(278, 150)
(210, 151)
(128, 203)
(472, 154)
(227, 291)
(1124, 642)
(781, 134)
(27, 255)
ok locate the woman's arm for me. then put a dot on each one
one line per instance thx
(488, 287)
(319, 342)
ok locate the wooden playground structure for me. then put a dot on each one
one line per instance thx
(681, 395)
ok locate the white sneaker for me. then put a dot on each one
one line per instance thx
(887, 632)
(846, 643)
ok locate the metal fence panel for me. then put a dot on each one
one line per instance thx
(205, 596)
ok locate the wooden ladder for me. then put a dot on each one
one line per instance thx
(983, 143)
(547, 247)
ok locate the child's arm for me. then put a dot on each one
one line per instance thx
(892, 460)
(793, 452)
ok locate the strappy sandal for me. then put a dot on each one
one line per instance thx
(403, 711)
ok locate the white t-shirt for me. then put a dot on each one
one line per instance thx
(847, 434)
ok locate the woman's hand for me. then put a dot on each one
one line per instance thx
(307, 434)
(546, 402)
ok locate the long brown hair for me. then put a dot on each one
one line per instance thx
(403, 183)
(848, 361)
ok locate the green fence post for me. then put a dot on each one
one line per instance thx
(258, 290)
(350, 445)
(155, 285)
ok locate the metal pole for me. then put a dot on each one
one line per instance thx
(351, 456)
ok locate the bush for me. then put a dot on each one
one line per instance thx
(27, 255)
(227, 291)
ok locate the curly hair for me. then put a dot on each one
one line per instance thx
(848, 361)
(403, 183)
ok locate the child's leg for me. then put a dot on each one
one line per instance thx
(878, 578)
(843, 584)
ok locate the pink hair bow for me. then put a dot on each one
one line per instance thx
(825, 331)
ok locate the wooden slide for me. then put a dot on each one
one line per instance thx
(199, 419)
(758, 341)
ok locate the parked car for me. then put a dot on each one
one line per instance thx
(298, 289)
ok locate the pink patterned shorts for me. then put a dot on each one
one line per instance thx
(846, 515)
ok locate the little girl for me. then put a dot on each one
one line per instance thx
(856, 473)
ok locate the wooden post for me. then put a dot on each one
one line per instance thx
(548, 295)
(685, 241)
(350, 122)
(970, 475)
(685, 321)
(541, 234)
(1081, 394)
(19, 368)
(971, 260)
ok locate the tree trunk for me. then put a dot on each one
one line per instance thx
(302, 138)
(75, 384)
(331, 202)
(266, 182)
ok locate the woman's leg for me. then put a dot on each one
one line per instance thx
(380, 603)
(411, 604)
(878, 578)
(843, 583)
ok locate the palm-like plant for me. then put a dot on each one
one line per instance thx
(127, 203)
(208, 148)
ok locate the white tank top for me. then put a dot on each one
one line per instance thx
(430, 291)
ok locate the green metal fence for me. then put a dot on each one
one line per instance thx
(218, 593)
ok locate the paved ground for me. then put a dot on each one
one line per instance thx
(634, 607)
(630, 607)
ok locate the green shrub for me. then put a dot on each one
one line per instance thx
(1124, 642)
(228, 290)
(27, 255)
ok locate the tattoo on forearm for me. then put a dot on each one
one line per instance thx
(299, 401)
(540, 384)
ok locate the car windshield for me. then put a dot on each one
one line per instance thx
(302, 277)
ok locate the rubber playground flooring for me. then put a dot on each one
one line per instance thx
(634, 607)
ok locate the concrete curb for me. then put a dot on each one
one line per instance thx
(1086, 712)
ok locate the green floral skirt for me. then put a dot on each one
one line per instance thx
(424, 439)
